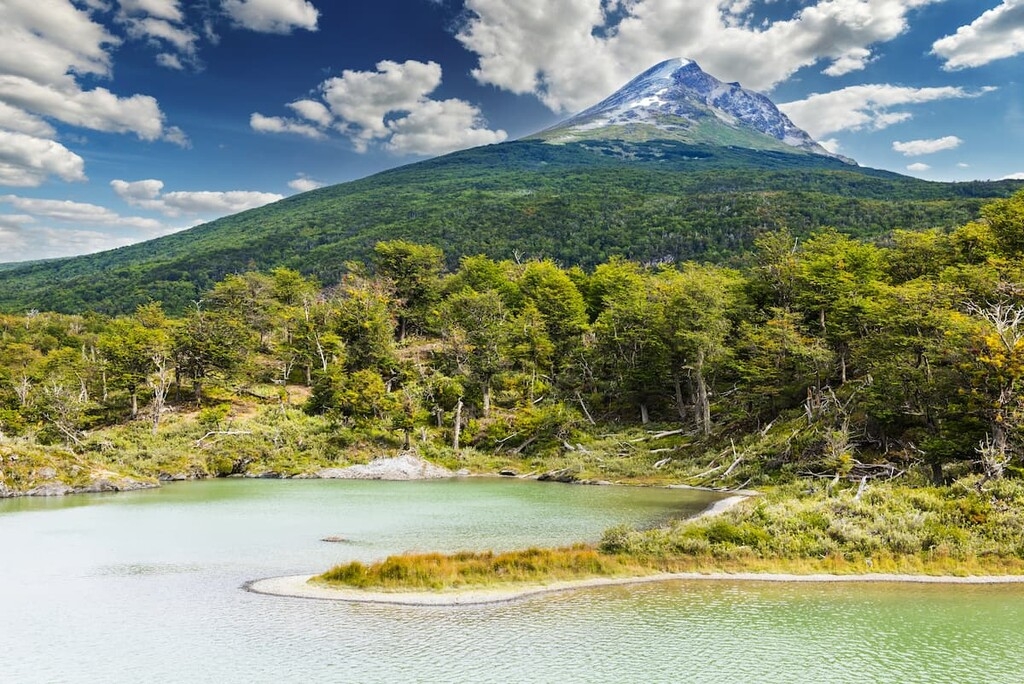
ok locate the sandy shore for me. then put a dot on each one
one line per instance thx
(298, 586)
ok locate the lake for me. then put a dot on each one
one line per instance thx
(146, 586)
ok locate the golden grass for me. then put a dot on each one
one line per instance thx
(439, 572)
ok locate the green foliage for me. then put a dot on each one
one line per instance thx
(650, 202)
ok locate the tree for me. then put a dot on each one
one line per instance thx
(476, 333)
(560, 304)
(697, 302)
(128, 346)
(209, 343)
(631, 348)
(414, 272)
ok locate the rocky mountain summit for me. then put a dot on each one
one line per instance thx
(677, 100)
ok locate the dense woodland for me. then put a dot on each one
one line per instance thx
(827, 357)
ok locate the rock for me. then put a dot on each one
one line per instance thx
(46, 473)
(337, 540)
(104, 484)
(50, 489)
(462, 472)
(405, 466)
(172, 477)
(507, 472)
(562, 475)
(269, 475)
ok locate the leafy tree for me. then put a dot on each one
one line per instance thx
(414, 272)
(698, 302)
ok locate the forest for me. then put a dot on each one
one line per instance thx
(828, 357)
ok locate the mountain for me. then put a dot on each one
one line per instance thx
(675, 166)
(676, 100)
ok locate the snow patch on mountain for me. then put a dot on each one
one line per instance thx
(678, 93)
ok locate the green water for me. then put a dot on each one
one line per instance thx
(146, 587)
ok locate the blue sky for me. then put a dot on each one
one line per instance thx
(123, 120)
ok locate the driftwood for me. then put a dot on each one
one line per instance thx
(657, 435)
(211, 433)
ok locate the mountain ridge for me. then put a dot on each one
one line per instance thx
(677, 100)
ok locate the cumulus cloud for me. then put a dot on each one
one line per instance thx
(96, 109)
(1014, 176)
(916, 148)
(77, 212)
(277, 124)
(272, 16)
(25, 241)
(304, 184)
(918, 167)
(27, 161)
(46, 228)
(20, 121)
(50, 46)
(571, 53)
(44, 40)
(433, 127)
(148, 194)
(868, 106)
(362, 99)
(390, 106)
(996, 34)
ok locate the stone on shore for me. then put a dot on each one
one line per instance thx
(405, 466)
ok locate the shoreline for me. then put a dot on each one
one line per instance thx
(297, 586)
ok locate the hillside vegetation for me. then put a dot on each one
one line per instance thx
(827, 358)
(577, 204)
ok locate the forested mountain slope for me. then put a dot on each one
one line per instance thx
(577, 203)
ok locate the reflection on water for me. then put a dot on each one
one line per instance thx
(146, 587)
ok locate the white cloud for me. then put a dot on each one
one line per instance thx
(854, 60)
(77, 212)
(210, 202)
(28, 242)
(44, 40)
(435, 127)
(963, 165)
(313, 111)
(96, 109)
(866, 106)
(918, 167)
(362, 99)
(49, 46)
(161, 9)
(304, 184)
(390, 106)
(166, 59)
(20, 121)
(148, 194)
(277, 124)
(1014, 176)
(915, 148)
(831, 144)
(47, 228)
(27, 161)
(996, 34)
(571, 53)
(272, 16)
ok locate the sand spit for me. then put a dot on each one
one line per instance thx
(298, 586)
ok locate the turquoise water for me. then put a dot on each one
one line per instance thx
(146, 587)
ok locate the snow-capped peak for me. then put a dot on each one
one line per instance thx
(676, 99)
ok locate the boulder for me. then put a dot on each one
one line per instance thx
(405, 466)
(50, 489)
